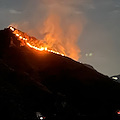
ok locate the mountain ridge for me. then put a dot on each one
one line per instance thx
(55, 85)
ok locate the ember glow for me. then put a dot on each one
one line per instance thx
(11, 28)
(31, 43)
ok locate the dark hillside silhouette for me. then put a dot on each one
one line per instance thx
(58, 87)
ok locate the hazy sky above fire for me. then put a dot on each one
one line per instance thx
(93, 24)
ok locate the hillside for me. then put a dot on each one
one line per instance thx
(56, 86)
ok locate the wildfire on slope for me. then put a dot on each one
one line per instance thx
(32, 42)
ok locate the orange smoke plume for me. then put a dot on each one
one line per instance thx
(61, 39)
(58, 32)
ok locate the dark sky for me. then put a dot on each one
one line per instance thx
(99, 41)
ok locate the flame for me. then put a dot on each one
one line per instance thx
(11, 28)
(59, 34)
(28, 42)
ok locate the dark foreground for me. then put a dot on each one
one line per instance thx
(45, 85)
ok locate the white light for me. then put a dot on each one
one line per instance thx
(90, 54)
(41, 118)
(17, 34)
(12, 28)
(20, 37)
(45, 48)
(24, 39)
(115, 78)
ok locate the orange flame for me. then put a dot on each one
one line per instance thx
(26, 41)
(59, 34)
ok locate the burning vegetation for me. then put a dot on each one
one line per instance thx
(32, 42)
(55, 34)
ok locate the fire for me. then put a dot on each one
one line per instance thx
(57, 33)
(11, 28)
(31, 43)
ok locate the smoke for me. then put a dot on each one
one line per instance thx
(60, 28)
(61, 35)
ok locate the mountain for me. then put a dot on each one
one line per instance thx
(39, 83)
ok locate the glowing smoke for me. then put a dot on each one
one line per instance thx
(60, 29)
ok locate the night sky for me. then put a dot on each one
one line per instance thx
(99, 41)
